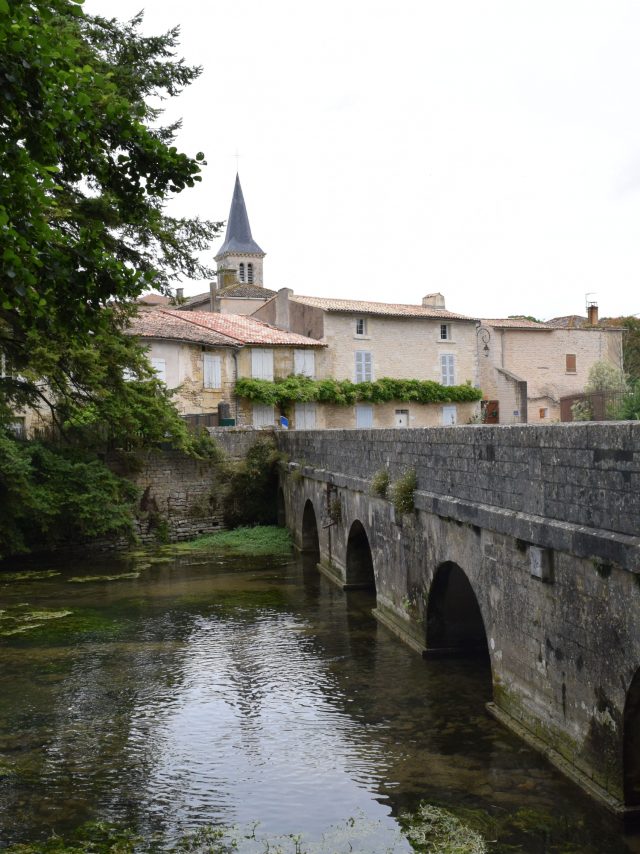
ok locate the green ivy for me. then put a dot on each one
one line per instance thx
(300, 389)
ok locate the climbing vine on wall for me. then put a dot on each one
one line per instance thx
(300, 389)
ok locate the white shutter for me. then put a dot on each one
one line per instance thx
(160, 367)
(263, 415)
(449, 415)
(305, 416)
(364, 415)
(448, 369)
(364, 366)
(304, 362)
(212, 371)
(261, 364)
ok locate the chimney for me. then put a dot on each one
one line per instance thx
(592, 313)
(434, 301)
(179, 294)
(282, 309)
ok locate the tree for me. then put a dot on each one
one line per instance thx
(85, 175)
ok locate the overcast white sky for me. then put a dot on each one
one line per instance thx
(487, 150)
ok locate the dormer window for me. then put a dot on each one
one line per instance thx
(361, 326)
(250, 273)
(241, 272)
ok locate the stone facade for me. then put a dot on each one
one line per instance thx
(543, 524)
(539, 357)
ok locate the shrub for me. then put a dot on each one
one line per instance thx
(380, 483)
(402, 492)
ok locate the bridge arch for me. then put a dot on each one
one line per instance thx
(310, 537)
(454, 620)
(631, 743)
(359, 563)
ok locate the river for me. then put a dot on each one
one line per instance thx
(196, 689)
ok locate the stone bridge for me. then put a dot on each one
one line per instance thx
(523, 546)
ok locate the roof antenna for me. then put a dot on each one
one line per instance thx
(237, 157)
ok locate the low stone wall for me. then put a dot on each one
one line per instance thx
(583, 474)
(236, 441)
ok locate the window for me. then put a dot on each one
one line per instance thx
(364, 366)
(449, 415)
(160, 367)
(402, 417)
(212, 371)
(18, 427)
(361, 326)
(364, 415)
(250, 273)
(261, 364)
(305, 416)
(304, 362)
(544, 412)
(241, 272)
(448, 369)
(570, 360)
(445, 331)
(263, 415)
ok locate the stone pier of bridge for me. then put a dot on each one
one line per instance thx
(523, 546)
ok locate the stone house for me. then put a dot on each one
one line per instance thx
(369, 340)
(199, 355)
(526, 367)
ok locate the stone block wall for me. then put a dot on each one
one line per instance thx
(582, 474)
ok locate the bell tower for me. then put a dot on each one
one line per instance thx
(239, 259)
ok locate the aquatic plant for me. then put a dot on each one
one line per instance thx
(261, 540)
(434, 830)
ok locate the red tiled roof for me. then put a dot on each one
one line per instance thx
(241, 329)
(387, 309)
(174, 326)
(153, 299)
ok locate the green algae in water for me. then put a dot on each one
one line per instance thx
(434, 830)
(28, 575)
(86, 579)
(20, 623)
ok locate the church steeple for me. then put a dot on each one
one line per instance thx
(239, 258)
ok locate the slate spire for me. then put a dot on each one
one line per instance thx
(238, 237)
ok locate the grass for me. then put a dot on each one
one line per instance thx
(263, 540)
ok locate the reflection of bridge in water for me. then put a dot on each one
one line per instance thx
(523, 547)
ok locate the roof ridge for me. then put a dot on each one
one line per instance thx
(188, 317)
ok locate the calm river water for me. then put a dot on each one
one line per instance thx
(203, 690)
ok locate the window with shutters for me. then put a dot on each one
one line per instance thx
(160, 367)
(250, 273)
(364, 415)
(305, 416)
(570, 361)
(261, 364)
(449, 415)
(212, 371)
(304, 362)
(241, 272)
(364, 366)
(263, 415)
(448, 369)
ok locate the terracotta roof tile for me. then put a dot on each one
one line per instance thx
(381, 308)
(175, 326)
(241, 329)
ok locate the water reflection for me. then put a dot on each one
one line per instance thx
(226, 691)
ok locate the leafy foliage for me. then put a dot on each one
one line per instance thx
(245, 490)
(301, 389)
(603, 376)
(50, 497)
(630, 408)
(255, 541)
(85, 172)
